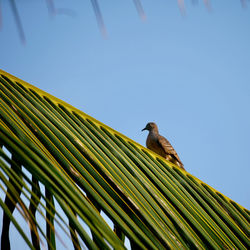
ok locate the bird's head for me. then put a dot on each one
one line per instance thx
(150, 126)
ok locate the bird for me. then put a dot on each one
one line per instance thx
(161, 145)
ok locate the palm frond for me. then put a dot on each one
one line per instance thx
(88, 169)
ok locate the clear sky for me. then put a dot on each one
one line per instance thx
(189, 74)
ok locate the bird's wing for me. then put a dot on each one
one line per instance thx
(168, 148)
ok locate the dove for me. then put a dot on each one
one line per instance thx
(161, 145)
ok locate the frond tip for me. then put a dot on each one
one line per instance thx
(88, 169)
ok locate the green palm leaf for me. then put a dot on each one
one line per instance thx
(87, 167)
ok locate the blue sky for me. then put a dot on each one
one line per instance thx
(189, 74)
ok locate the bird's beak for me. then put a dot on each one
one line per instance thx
(144, 129)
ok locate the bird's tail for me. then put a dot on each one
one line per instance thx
(180, 164)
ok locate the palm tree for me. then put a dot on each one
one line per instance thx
(63, 166)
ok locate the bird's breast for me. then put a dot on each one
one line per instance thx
(153, 144)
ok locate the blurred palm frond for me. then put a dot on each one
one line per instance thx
(53, 11)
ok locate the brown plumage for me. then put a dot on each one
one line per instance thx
(161, 145)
